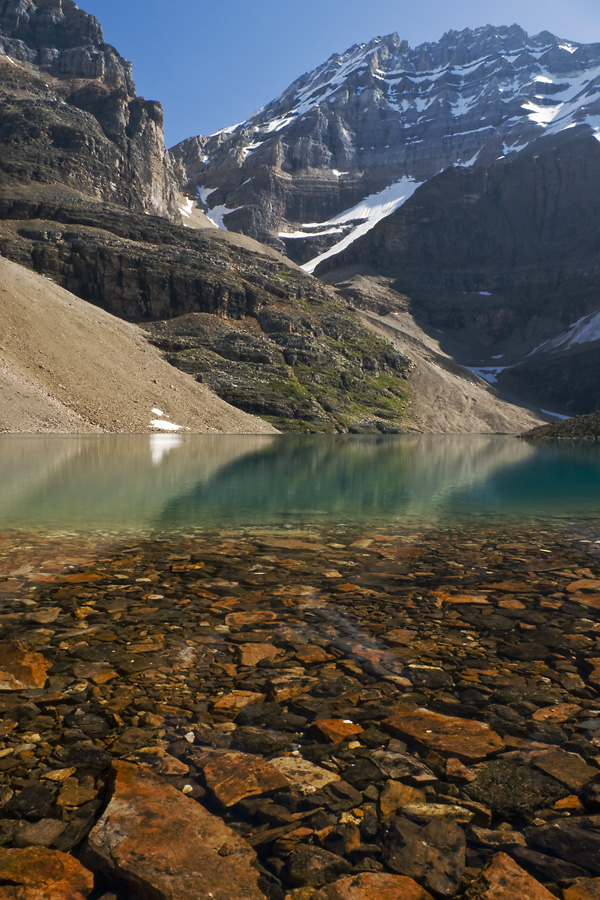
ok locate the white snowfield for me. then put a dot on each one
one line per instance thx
(583, 331)
(367, 213)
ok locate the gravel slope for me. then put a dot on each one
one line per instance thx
(68, 366)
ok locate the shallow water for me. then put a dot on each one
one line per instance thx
(167, 484)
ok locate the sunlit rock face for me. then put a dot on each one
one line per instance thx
(70, 112)
(348, 143)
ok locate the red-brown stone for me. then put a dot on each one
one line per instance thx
(234, 776)
(37, 873)
(156, 842)
(466, 738)
(584, 889)
(20, 668)
(373, 886)
(503, 879)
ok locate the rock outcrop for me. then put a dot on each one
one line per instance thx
(70, 114)
(501, 262)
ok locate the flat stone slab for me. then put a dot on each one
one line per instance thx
(504, 879)
(36, 873)
(569, 768)
(234, 776)
(154, 841)
(466, 738)
(303, 776)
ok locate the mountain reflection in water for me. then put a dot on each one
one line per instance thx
(172, 482)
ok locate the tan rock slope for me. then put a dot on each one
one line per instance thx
(67, 366)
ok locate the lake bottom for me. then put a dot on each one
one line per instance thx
(338, 698)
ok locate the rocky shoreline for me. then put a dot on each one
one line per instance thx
(301, 715)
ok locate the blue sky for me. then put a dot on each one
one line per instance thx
(212, 63)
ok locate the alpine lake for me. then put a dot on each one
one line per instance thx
(345, 648)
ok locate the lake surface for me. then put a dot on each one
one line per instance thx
(167, 484)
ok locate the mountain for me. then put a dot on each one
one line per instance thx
(88, 197)
(348, 143)
(465, 172)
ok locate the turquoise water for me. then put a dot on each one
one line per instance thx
(170, 483)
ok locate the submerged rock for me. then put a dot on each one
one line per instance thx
(36, 873)
(155, 842)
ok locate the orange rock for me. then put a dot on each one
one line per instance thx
(373, 886)
(396, 795)
(82, 578)
(251, 654)
(583, 584)
(249, 617)
(466, 738)
(570, 802)
(594, 676)
(21, 668)
(590, 600)
(559, 713)
(569, 768)
(311, 653)
(402, 636)
(335, 730)
(157, 842)
(584, 889)
(40, 874)
(236, 700)
(234, 776)
(503, 879)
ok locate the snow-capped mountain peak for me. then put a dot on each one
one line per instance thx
(383, 114)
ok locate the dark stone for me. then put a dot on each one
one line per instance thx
(566, 840)
(510, 788)
(432, 854)
(314, 867)
(34, 802)
(546, 868)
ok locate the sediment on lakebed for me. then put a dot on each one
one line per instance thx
(315, 715)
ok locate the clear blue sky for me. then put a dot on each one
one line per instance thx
(212, 63)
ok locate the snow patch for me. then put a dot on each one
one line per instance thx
(371, 210)
(488, 373)
(187, 208)
(157, 412)
(164, 425)
(583, 331)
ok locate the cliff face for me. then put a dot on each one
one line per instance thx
(69, 113)
(502, 262)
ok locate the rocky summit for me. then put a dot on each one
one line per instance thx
(348, 143)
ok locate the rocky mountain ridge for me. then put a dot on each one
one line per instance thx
(348, 143)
